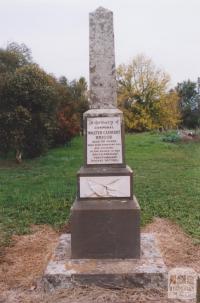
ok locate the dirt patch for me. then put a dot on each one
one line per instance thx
(177, 248)
(25, 261)
(188, 139)
(88, 295)
(11, 163)
(8, 163)
(187, 136)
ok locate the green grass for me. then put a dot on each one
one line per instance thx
(41, 191)
(167, 179)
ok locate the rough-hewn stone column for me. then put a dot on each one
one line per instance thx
(102, 60)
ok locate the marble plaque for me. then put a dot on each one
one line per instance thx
(105, 187)
(104, 140)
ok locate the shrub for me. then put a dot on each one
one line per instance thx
(171, 137)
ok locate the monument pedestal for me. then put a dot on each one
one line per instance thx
(105, 218)
(105, 229)
(149, 271)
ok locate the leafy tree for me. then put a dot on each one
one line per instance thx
(73, 103)
(168, 110)
(143, 95)
(27, 111)
(68, 125)
(189, 104)
(78, 90)
(67, 118)
(187, 92)
(14, 56)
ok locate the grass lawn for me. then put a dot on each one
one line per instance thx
(41, 191)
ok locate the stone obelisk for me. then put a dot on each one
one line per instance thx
(105, 214)
(102, 60)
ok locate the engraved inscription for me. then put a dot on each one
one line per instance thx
(104, 143)
(104, 187)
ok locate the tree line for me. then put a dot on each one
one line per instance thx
(39, 111)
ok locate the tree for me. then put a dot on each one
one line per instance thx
(73, 103)
(189, 104)
(67, 117)
(79, 95)
(14, 56)
(68, 125)
(143, 95)
(168, 110)
(28, 102)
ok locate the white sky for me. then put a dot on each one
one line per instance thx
(57, 32)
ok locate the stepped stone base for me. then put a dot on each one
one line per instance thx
(148, 272)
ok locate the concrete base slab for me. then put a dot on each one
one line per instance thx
(148, 272)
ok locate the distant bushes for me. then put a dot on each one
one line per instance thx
(184, 136)
(171, 137)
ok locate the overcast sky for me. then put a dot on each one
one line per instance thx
(57, 32)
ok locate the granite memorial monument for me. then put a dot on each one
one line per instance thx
(105, 247)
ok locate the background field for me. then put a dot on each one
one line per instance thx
(41, 191)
